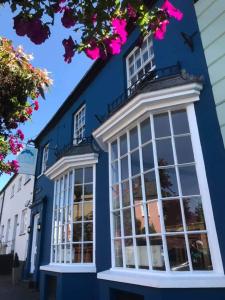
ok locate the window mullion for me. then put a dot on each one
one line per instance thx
(53, 221)
(94, 210)
(82, 220)
(72, 212)
(162, 225)
(66, 218)
(144, 198)
(180, 192)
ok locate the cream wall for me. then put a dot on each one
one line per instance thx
(211, 20)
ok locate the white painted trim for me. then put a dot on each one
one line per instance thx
(164, 280)
(66, 268)
(143, 103)
(68, 162)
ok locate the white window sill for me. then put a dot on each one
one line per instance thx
(70, 268)
(156, 280)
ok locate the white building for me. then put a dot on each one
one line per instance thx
(15, 215)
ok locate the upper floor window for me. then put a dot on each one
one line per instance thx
(157, 212)
(23, 223)
(79, 125)
(19, 184)
(12, 190)
(140, 61)
(73, 221)
(44, 158)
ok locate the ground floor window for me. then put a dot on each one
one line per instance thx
(73, 220)
(156, 205)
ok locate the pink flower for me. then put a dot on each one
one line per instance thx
(119, 28)
(161, 30)
(36, 105)
(93, 52)
(20, 134)
(14, 165)
(37, 31)
(69, 46)
(29, 110)
(94, 18)
(68, 19)
(172, 11)
(1, 157)
(113, 46)
(131, 11)
(20, 25)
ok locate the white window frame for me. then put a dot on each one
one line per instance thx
(150, 59)
(79, 125)
(2, 234)
(19, 183)
(23, 221)
(8, 229)
(45, 153)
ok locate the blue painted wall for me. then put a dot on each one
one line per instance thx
(107, 85)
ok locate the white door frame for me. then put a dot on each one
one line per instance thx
(34, 244)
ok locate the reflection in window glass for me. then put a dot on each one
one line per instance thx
(114, 151)
(137, 192)
(164, 152)
(133, 138)
(145, 131)
(142, 254)
(189, 181)
(118, 253)
(123, 145)
(162, 125)
(172, 215)
(153, 217)
(184, 149)
(139, 219)
(135, 163)
(147, 156)
(125, 193)
(180, 122)
(194, 214)
(177, 253)
(150, 186)
(168, 181)
(124, 168)
(157, 255)
(129, 253)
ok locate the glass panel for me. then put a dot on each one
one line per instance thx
(147, 156)
(135, 163)
(88, 253)
(88, 211)
(114, 171)
(200, 254)
(161, 125)
(168, 181)
(180, 122)
(140, 74)
(124, 168)
(76, 253)
(69, 232)
(142, 253)
(189, 181)
(129, 253)
(153, 217)
(172, 215)
(115, 196)
(78, 176)
(116, 223)
(139, 219)
(145, 131)
(157, 255)
(164, 152)
(77, 232)
(88, 192)
(127, 222)
(123, 144)
(138, 63)
(145, 56)
(150, 186)
(131, 70)
(88, 175)
(125, 193)
(88, 231)
(78, 193)
(118, 253)
(177, 253)
(137, 192)
(114, 151)
(67, 253)
(194, 214)
(184, 149)
(133, 138)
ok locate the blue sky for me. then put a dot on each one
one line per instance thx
(50, 56)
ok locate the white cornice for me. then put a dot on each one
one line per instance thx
(68, 162)
(141, 104)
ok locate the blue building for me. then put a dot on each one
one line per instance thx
(128, 200)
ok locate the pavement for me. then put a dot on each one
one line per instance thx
(19, 291)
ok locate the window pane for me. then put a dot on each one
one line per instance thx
(177, 253)
(114, 151)
(123, 144)
(88, 231)
(137, 192)
(157, 255)
(77, 232)
(78, 193)
(168, 181)
(147, 155)
(184, 149)
(88, 211)
(129, 253)
(200, 254)
(189, 181)
(88, 253)
(135, 163)
(180, 122)
(88, 192)
(88, 175)
(150, 186)
(115, 196)
(142, 253)
(118, 253)
(127, 222)
(194, 213)
(124, 168)
(125, 193)
(164, 152)
(139, 219)
(76, 253)
(161, 125)
(78, 176)
(114, 171)
(77, 212)
(133, 138)
(116, 224)
(145, 131)
(172, 215)
(153, 217)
